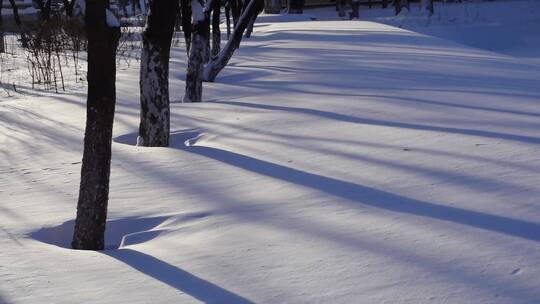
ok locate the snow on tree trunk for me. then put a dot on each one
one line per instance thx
(216, 33)
(272, 6)
(212, 69)
(96, 163)
(199, 44)
(154, 74)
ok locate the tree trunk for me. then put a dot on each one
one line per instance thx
(68, 7)
(228, 19)
(197, 53)
(272, 6)
(251, 24)
(94, 189)
(235, 11)
(154, 74)
(427, 5)
(2, 42)
(185, 6)
(216, 33)
(355, 9)
(397, 6)
(212, 69)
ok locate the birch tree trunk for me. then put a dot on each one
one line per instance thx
(94, 188)
(154, 74)
(198, 52)
(212, 69)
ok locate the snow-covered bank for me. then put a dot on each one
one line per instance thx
(333, 162)
(510, 27)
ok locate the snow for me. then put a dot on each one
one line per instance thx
(331, 162)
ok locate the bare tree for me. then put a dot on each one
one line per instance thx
(212, 69)
(103, 33)
(154, 73)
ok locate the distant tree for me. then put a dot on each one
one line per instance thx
(400, 4)
(296, 6)
(427, 5)
(154, 73)
(2, 45)
(103, 33)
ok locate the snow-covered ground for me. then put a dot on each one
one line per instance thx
(510, 27)
(332, 162)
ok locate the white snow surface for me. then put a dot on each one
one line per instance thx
(331, 162)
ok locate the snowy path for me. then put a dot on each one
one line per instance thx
(334, 162)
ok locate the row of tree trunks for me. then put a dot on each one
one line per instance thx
(154, 73)
(94, 188)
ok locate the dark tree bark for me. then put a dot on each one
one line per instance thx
(68, 7)
(212, 69)
(251, 24)
(94, 189)
(340, 7)
(272, 6)
(198, 52)
(355, 9)
(154, 73)
(216, 33)
(185, 6)
(228, 19)
(2, 45)
(15, 13)
(235, 11)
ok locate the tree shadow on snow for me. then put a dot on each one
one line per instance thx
(135, 230)
(118, 232)
(175, 277)
(373, 197)
(376, 122)
(131, 230)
